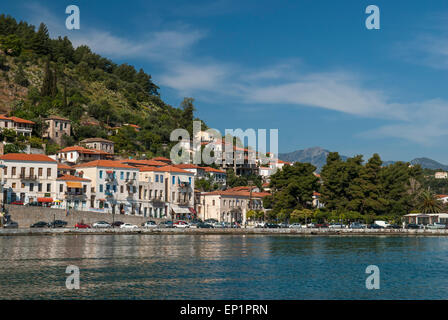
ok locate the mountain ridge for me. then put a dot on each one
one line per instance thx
(317, 156)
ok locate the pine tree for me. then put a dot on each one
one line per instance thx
(46, 89)
(41, 40)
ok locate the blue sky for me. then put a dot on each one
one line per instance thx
(308, 68)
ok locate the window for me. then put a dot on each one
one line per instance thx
(127, 175)
(213, 202)
(121, 189)
(5, 170)
(22, 171)
(39, 187)
(31, 187)
(23, 185)
(121, 175)
(84, 188)
(49, 187)
(101, 188)
(101, 174)
(39, 172)
(48, 172)
(155, 193)
(174, 180)
(31, 172)
(61, 188)
(115, 188)
(13, 171)
(189, 180)
(13, 185)
(161, 178)
(157, 178)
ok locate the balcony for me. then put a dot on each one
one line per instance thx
(110, 178)
(75, 194)
(109, 194)
(28, 177)
(157, 201)
(130, 181)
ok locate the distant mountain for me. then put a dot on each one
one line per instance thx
(317, 156)
(427, 163)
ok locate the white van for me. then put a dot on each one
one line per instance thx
(382, 223)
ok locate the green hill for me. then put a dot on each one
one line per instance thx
(40, 76)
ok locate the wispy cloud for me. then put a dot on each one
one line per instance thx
(285, 83)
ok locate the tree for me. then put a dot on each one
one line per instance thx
(293, 187)
(41, 40)
(20, 77)
(429, 203)
(365, 191)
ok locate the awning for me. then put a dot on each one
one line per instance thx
(72, 184)
(192, 210)
(178, 209)
(44, 199)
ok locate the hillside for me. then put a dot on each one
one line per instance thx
(40, 77)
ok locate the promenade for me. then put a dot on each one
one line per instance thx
(225, 231)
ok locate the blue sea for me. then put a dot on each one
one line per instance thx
(223, 267)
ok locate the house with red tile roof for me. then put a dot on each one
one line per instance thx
(28, 177)
(73, 192)
(78, 154)
(19, 125)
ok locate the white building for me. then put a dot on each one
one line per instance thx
(19, 125)
(114, 186)
(441, 175)
(29, 177)
(73, 192)
(77, 154)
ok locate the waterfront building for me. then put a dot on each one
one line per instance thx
(152, 192)
(217, 176)
(229, 205)
(199, 172)
(29, 178)
(73, 192)
(426, 218)
(114, 186)
(57, 127)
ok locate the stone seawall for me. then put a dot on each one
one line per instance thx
(243, 231)
(27, 215)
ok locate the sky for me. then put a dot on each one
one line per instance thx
(309, 68)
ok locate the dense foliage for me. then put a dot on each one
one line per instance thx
(88, 89)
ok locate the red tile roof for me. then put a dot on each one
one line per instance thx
(187, 166)
(16, 119)
(164, 169)
(83, 150)
(68, 177)
(104, 164)
(64, 166)
(209, 169)
(26, 157)
(151, 163)
(161, 159)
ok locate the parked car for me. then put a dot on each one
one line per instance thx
(11, 225)
(210, 221)
(413, 226)
(271, 226)
(260, 225)
(150, 224)
(58, 224)
(82, 225)
(235, 225)
(218, 225)
(40, 224)
(101, 224)
(166, 224)
(18, 203)
(393, 226)
(321, 225)
(436, 225)
(283, 225)
(357, 225)
(203, 225)
(336, 226)
(128, 226)
(311, 225)
(374, 226)
(117, 224)
(382, 223)
(296, 226)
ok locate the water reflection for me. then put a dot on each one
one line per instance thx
(222, 267)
